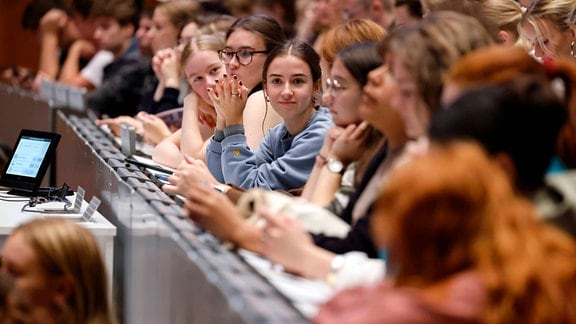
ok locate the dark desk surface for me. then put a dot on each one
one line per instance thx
(166, 269)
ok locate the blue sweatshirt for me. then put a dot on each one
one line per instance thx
(281, 161)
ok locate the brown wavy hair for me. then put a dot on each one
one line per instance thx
(498, 64)
(454, 210)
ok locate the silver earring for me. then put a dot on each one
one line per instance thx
(572, 49)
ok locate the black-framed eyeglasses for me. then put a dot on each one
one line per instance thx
(244, 56)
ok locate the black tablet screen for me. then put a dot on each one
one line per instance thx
(33, 153)
(28, 156)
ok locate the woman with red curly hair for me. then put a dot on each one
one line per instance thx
(497, 64)
(463, 247)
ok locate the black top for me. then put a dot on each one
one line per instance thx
(359, 237)
(257, 88)
(120, 92)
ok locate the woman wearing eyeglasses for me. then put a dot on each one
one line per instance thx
(349, 144)
(248, 42)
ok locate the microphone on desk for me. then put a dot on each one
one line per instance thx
(148, 166)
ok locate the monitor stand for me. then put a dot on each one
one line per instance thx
(19, 192)
(46, 192)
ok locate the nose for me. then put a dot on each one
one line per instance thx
(376, 76)
(287, 91)
(97, 33)
(234, 64)
(539, 51)
(210, 81)
(150, 32)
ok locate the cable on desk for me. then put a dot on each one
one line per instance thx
(33, 201)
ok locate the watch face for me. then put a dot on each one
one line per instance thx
(335, 166)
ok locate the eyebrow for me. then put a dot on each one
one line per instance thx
(301, 75)
(239, 48)
(208, 67)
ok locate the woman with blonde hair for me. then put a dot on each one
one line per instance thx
(462, 247)
(57, 268)
(506, 14)
(201, 67)
(550, 25)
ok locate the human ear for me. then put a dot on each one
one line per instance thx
(63, 289)
(317, 86)
(503, 36)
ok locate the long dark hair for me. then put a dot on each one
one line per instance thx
(299, 49)
(359, 59)
(264, 26)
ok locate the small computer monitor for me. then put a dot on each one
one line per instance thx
(31, 156)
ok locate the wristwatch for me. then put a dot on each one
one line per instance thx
(335, 166)
(336, 264)
(221, 188)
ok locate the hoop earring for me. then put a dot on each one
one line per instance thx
(314, 101)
